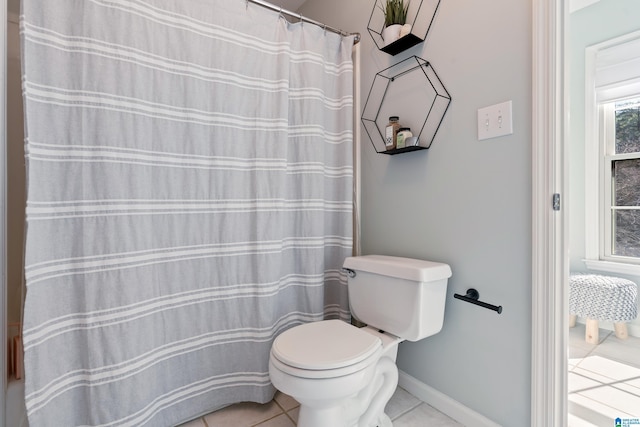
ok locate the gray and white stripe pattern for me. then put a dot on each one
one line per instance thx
(189, 198)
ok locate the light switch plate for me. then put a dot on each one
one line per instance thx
(495, 120)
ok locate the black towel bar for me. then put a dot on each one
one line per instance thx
(473, 296)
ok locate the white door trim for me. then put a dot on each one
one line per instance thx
(549, 330)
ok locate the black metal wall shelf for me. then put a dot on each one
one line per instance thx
(420, 16)
(401, 44)
(421, 102)
(403, 150)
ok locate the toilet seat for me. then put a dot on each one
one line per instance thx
(325, 349)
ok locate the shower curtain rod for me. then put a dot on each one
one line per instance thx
(303, 19)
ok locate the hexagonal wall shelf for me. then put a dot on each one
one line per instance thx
(412, 90)
(420, 16)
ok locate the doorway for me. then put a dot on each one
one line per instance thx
(602, 376)
(550, 228)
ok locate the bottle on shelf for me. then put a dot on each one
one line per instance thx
(391, 133)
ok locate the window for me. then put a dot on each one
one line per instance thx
(612, 156)
(620, 198)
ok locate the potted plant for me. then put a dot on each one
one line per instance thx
(395, 18)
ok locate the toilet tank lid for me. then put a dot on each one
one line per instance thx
(403, 268)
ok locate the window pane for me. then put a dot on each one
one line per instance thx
(627, 232)
(628, 126)
(626, 182)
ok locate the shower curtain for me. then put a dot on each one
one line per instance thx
(189, 198)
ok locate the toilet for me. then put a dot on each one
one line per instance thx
(343, 376)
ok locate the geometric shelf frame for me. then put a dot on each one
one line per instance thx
(420, 15)
(412, 90)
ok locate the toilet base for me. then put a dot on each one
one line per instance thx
(313, 418)
(320, 417)
(385, 421)
(364, 409)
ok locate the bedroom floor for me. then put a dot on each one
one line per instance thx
(404, 410)
(604, 379)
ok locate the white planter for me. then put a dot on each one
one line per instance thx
(391, 33)
(406, 29)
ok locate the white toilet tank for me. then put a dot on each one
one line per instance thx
(402, 296)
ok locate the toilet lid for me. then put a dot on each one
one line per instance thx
(328, 344)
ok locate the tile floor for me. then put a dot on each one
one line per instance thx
(604, 384)
(604, 379)
(404, 410)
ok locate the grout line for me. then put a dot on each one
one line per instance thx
(614, 384)
(407, 411)
(286, 412)
(279, 406)
(599, 402)
(291, 418)
(265, 420)
(275, 416)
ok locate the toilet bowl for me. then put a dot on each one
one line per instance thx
(343, 376)
(333, 369)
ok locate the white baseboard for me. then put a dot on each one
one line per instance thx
(443, 403)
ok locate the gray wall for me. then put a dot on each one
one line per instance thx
(464, 202)
(597, 23)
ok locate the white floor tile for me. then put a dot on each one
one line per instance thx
(577, 421)
(604, 379)
(593, 411)
(610, 368)
(243, 415)
(573, 363)
(578, 381)
(285, 401)
(626, 351)
(294, 414)
(425, 415)
(279, 421)
(405, 410)
(607, 382)
(621, 400)
(400, 403)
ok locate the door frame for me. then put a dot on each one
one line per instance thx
(550, 258)
(3, 209)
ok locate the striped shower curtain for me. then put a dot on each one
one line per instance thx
(189, 198)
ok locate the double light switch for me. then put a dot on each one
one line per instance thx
(495, 120)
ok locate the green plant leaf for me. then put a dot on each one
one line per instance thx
(395, 12)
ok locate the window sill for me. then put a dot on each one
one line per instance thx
(613, 267)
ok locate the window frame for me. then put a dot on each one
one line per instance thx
(607, 205)
(594, 189)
